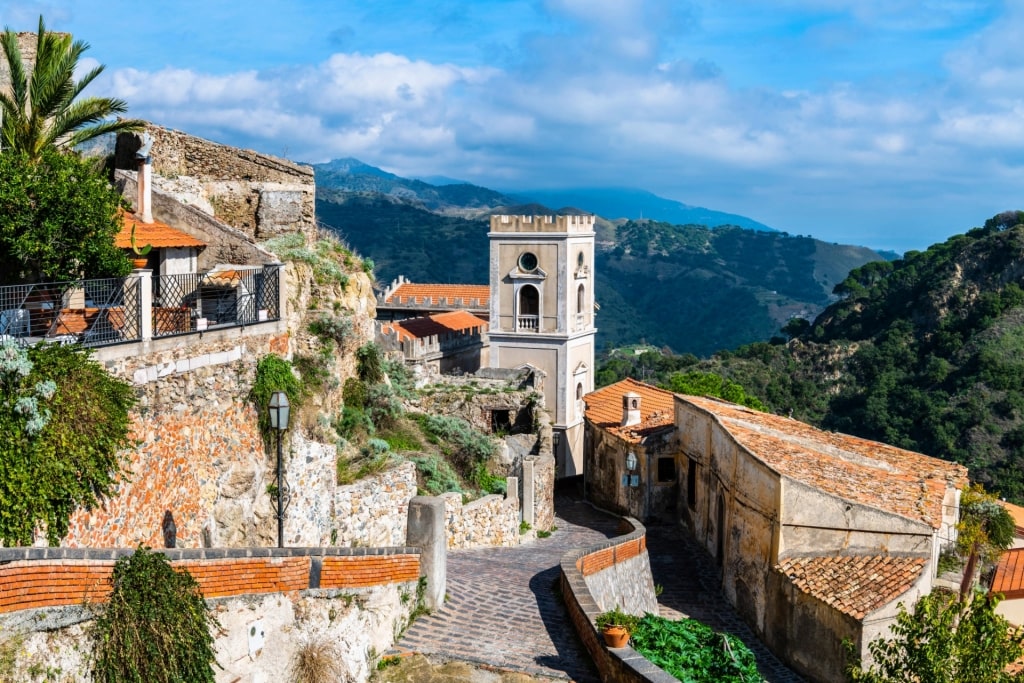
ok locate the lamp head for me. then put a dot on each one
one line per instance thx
(279, 410)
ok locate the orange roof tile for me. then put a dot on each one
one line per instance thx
(1009, 576)
(854, 585)
(456, 295)
(657, 409)
(437, 324)
(884, 477)
(1017, 512)
(158, 234)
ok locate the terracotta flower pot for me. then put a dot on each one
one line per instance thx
(615, 636)
(139, 262)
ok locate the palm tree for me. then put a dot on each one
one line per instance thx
(39, 110)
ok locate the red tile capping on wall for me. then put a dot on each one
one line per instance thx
(359, 572)
(621, 665)
(32, 578)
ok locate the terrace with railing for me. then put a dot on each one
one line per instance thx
(139, 307)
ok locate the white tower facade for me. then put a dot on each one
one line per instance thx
(542, 315)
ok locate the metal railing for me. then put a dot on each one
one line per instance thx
(90, 312)
(109, 311)
(192, 302)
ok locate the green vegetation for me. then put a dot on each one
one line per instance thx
(692, 651)
(689, 287)
(332, 262)
(155, 628)
(58, 220)
(616, 617)
(984, 531)
(40, 111)
(697, 383)
(945, 640)
(274, 373)
(923, 353)
(63, 421)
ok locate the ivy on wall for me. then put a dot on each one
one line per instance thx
(63, 422)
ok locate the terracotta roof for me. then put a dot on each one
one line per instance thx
(855, 585)
(437, 324)
(878, 475)
(657, 409)
(160, 235)
(456, 295)
(1009, 576)
(1017, 512)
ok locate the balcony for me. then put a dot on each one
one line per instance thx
(528, 323)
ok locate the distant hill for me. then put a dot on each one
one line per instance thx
(687, 287)
(925, 353)
(346, 176)
(617, 202)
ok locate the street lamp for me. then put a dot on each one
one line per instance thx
(279, 412)
(632, 480)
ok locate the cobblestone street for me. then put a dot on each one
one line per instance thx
(504, 610)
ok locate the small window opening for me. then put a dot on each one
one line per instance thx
(691, 484)
(501, 421)
(666, 470)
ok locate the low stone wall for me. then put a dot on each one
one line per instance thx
(614, 573)
(374, 511)
(489, 521)
(269, 602)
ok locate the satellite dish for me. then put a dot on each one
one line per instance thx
(147, 145)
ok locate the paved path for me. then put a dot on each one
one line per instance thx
(504, 610)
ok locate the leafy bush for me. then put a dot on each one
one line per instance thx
(274, 373)
(332, 329)
(437, 475)
(155, 628)
(369, 363)
(465, 446)
(616, 617)
(63, 421)
(692, 651)
(354, 424)
(354, 392)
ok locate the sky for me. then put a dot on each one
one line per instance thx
(888, 123)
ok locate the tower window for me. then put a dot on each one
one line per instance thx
(527, 262)
(579, 260)
(580, 298)
(529, 301)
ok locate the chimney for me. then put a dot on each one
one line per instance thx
(630, 409)
(144, 203)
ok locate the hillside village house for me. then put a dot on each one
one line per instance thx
(819, 535)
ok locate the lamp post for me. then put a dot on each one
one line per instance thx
(630, 467)
(279, 412)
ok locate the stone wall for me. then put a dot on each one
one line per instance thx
(585, 580)
(225, 244)
(260, 195)
(374, 511)
(489, 521)
(268, 606)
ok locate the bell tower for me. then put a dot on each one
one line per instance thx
(542, 315)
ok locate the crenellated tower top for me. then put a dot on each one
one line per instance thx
(574, 225)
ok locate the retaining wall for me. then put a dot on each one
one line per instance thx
(489, 521)
(269, 602)
(613, 573)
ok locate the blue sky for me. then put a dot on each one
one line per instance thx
(889, 123)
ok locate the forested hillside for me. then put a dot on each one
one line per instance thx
(926, 353)
(691, 288)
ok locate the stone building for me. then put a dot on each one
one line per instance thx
(819, 536)
(540, 312)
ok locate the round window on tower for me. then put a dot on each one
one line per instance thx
(528, 262)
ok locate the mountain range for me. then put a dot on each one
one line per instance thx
(687, 287)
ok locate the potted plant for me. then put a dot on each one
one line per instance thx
(616, 626)
(141, 253)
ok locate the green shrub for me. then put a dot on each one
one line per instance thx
(692, 651)
(354, 424)
(616, 617)
(332, 329)
(437, 475)
(155, 628)
(369, 363)
(464, 446)
(354, 392)
(274, 373)
(63, 422)
(487, 482)
(383, 406)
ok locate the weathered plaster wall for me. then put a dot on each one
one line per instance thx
(816, 522)
(260, 195)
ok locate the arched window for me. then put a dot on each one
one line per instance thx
(529, 308)
(579, 391)
(580, 298)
